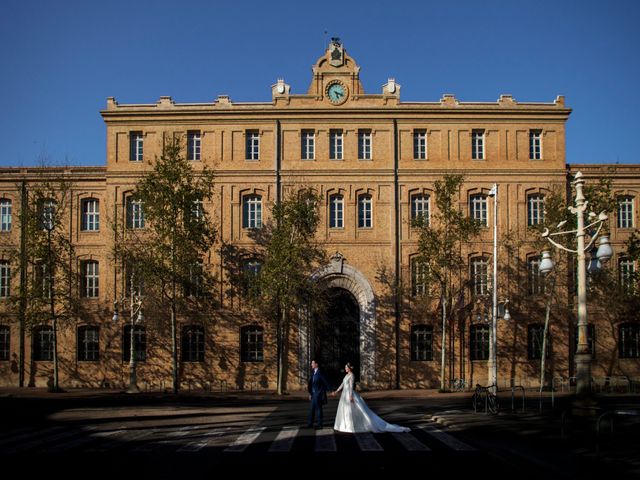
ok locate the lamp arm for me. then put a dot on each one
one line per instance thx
(594, 236)
(562, 233)
(561, 247)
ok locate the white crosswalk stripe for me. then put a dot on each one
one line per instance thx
(244, 440)
(368, 443)
(410, 442)
(325, 441)
(284, 440)
(207, 439)
(449, 440)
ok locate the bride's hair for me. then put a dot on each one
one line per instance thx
(349, 365)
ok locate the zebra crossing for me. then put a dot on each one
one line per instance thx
(229, 440)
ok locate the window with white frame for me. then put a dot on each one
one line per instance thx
(478, 207)
(252, 211)
(5, 337)
(252, 343)
(480, 276)
(336, 211)
(419, 277)
(308, 145)
(535, 144)
(5, 215)
(477, 144)
(252, 148)
(88, 343)
(194, 139)
(135, 213)
(421, 343)
(139, 343)
(535, 209)
(46, 213)
(335, 144)
(42, 343)
(627, 275)
(364, 211)
(364, 144)
(42, 279)
(5, 279)
(536, 282)
(625, 212)
(90, 279)
(192, 343)
(194, 287)
(136, 146)
(420, 144)
(479, 342)
(420, 207)
(629, 340)
(251, 269)
(197, 210)
(90, 215)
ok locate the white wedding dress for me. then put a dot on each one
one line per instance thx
(356, 417)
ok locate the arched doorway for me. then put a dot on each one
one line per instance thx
(336, 336)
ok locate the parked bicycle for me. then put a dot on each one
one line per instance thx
(458, 385)
(484, 396)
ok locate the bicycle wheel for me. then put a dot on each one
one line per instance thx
(493, 404)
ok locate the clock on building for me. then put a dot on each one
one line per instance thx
(336, 92)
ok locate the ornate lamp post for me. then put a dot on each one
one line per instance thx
(135, 318)
(604, 253)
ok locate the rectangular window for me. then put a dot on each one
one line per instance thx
(5, 279)
(421, 343)
(5, 215)
(535, 338)
(364, 144)
(42, 344)
(192, 343)
(629, 341)
(364, 212)
(194, 286)
(252, 212)
(420, 207)
(536, 282)
(535, 210)
(90, 279)
(252, 344)
(90, 215)
(479, 342)
(47, 214)
(88, 344)
(535, 144)
(308, 145)
(135, 213)
(625, 212)
(252, 147)
(193, 145)
(420, 144)
(419, 271)
(477, 144)
(627, 275)
(335, 144)
(480, 276)
(136, 146)
(42, 280)
(139, 343)
(336, 208)
(479, 209)
(5, 333)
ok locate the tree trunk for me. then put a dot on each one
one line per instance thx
(282, 350)
(174, 327)
(545, 333)
(444, 339)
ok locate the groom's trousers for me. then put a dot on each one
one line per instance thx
(315, 410)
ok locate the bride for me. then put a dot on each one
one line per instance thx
(353, 415)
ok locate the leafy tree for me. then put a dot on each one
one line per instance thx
(440, 243)
(290, 255)
(169, 249)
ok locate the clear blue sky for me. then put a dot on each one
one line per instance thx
(60, 60)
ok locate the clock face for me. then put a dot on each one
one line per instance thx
(336, 92)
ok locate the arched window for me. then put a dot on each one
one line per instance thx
(536, 281)
(42, 339)
(252, 211)
(88, 343)
(139, 343)
(629, 340)
(364, 211)
(421, 343)
(90, 279)
(336, 211)
(252, 343)
(192, 343)
(47, 213)
(419, 277)
(535, 209)
(420, 207)
(90, 215)
(5, 279)
(5, 215)
(135, 213)
(5, 334)
(478, 209)
(479, 276)
(625, 212)
(479, 342)
(627, 275)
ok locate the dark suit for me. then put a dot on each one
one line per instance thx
(317, 388)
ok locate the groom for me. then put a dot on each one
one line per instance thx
(318, 388)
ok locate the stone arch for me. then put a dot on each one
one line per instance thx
(339, 274)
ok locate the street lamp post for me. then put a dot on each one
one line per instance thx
(135, 317)
(493, 344)
(47, 221)
(604, 253)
